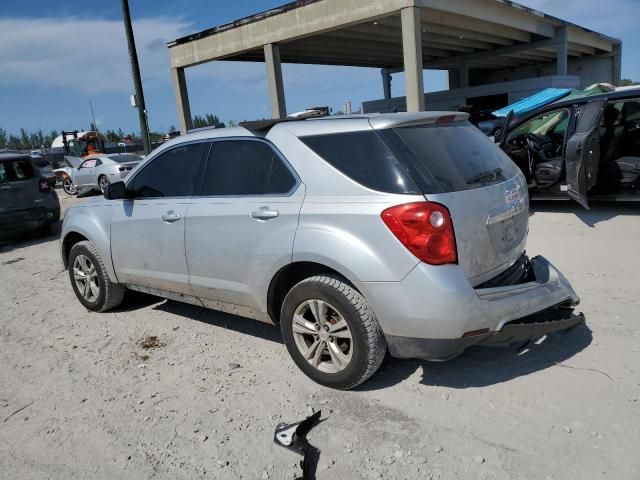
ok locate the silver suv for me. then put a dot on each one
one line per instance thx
(356, 235)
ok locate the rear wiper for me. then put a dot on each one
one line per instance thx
(490, 175)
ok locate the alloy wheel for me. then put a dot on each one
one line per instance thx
(69, 187)
(322, 336)
(86, 278)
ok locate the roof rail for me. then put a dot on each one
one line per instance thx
(210, 127)
(266, 125)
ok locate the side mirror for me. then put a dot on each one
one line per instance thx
(115, 191)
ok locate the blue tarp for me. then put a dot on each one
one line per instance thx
(531, 103)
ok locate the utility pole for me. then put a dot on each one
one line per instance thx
(137, 81)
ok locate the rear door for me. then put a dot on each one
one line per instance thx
(147, 231)
(240, 230)
(583, 152)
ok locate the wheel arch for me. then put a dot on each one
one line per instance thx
(293, 273)
(82, 224)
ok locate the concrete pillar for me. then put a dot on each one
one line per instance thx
(464, 75)
(562, 50)
(274, 77)
(386, 83)
(412, 49)
(182, 99)
(617, 64)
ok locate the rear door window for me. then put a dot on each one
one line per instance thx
(16, 170)
(246, 168)
(365, 158)
(449, 157)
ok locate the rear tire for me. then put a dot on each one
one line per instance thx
(90, 280)
(68, 186)
(103, 183)
(349, 350)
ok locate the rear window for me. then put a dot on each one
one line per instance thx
(365, 158)
(449, 157)
(124, 158)
(15, 170)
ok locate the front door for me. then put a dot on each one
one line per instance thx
(147, 230)
(583, 152)
(240, 230)
(84, 175)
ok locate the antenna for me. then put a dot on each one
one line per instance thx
(93, 116)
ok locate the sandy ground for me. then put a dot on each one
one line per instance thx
(80, 397)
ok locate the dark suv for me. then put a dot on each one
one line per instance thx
(27, 201)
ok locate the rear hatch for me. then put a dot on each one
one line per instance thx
(456, 165)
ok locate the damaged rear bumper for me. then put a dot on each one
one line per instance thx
(513, 309)
(518, 332)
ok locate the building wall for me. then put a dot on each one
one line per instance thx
(451, 99)
(593, 69)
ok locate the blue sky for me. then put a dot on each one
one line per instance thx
(57, 56)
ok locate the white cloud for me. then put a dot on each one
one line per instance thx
(86, 55)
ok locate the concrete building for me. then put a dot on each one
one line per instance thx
(495, 51)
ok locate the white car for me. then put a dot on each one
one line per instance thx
(97, 171)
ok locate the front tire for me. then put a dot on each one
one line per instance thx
(90, 280)
(331, 332)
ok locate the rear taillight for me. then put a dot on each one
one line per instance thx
(426, 230)
(44, 185)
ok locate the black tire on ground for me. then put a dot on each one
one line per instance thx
(368, 342)
(110, 294)
(103, 181)
(68, 187)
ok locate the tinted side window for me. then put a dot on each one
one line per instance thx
(245, 167)
(171, 174)
(15, 170)
(363, 157)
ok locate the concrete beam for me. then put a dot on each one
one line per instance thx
(305, 21)
(562, 50)
(182, 99)
(590, 39)
(274, 79)
(500, 14)
(465, 22)
(412, 53)
(465, 35)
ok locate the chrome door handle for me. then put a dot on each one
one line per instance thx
(170, 217)
(265, 213)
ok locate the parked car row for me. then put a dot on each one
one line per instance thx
(358, 235)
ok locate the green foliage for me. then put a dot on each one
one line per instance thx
(627, 82)
(209, 120)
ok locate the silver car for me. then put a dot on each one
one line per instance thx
(97, 171)
(356, 234)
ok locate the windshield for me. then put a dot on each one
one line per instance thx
(448, 157)
(544, 124)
